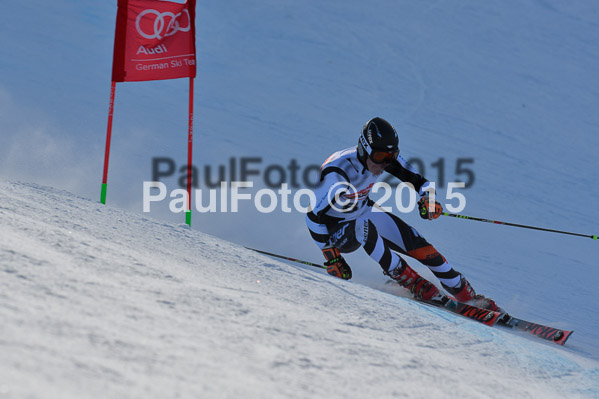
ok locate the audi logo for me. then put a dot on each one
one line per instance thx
(161, 27)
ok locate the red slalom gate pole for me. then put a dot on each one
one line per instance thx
(189, 154)
(108, 137)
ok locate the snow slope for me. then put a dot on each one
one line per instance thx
(512, 85)
(97, 302)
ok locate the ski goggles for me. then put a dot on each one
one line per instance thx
(380, 157)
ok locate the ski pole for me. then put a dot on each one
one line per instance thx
(593, 236)
(305, 262)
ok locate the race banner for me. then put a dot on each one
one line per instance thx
(154, 40)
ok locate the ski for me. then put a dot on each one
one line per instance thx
(538, 330)
(492, 318)
(485, 316)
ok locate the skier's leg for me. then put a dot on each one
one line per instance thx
(343, 236)
(392, 264)
(405, 239)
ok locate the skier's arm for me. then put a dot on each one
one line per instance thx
(401, 169)
(333, 183)
(427, 207)
(318, 231)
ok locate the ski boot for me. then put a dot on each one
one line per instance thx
(420, 288)
(465, 293)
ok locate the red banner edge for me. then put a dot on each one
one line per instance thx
(192, 8)
(120, 41)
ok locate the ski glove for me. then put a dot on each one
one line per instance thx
(336, 265)
(424, 206)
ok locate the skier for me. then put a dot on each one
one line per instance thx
(343, 218)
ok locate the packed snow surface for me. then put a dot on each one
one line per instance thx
(107, 301)
(99, 302)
